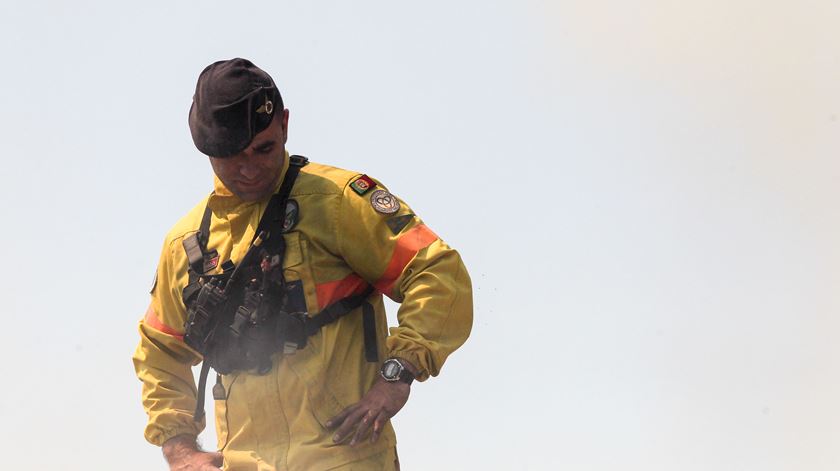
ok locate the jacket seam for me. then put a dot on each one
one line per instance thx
(336, 221)
(451, 304)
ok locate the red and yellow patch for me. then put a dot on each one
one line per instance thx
(362, 184)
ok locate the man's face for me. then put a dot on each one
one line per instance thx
(253, 173)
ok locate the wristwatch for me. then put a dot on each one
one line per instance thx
(393, 370)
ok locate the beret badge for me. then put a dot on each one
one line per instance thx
(267, 107)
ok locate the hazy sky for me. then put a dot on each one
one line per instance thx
(645, 194)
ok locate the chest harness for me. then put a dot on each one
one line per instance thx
(241, 317)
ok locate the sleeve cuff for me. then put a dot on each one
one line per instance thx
(159, 435)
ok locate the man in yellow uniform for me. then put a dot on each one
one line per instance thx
(275, 280)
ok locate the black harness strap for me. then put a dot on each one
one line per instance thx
(369, 326)
(194, 253)
(275, 212)
(343, 307)
(335, 311)
(198, 414)
(272, 218)
(201, 262)
(195, 245)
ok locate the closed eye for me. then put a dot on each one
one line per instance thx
(265, 149)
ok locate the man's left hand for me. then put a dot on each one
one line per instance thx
(382, 402)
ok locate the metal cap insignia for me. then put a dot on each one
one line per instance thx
(267, 108)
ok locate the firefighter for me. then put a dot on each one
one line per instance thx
(275, 282)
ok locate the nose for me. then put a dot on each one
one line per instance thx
(249, 171)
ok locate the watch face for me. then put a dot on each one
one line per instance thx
(391, 369)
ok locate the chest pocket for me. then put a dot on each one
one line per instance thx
(300, 286)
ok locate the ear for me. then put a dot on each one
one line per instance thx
(285, 125)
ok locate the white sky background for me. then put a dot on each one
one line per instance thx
(645, 194)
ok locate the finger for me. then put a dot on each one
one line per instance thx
(378, 425)
(364, 426)
(218, 460)
(348, 425)
(341, 416)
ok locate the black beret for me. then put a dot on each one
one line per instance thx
(234, 100)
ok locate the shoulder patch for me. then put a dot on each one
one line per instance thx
(362, 184)
(384, 202)
(398, 223)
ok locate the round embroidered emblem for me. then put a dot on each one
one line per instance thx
(384, 202)
(292, 214)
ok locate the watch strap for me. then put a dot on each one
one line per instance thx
(406, 376)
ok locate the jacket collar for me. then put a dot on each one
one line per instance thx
(223, 198)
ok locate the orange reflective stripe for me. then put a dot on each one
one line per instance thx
(331, 291)
(152, 321)
(411, 242)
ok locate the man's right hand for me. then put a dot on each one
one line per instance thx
(182, 454)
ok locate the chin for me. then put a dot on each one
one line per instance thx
(254, 195)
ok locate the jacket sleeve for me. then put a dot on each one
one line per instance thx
(163, 361)
(402, 258)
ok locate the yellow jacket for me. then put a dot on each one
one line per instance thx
(340, 245)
